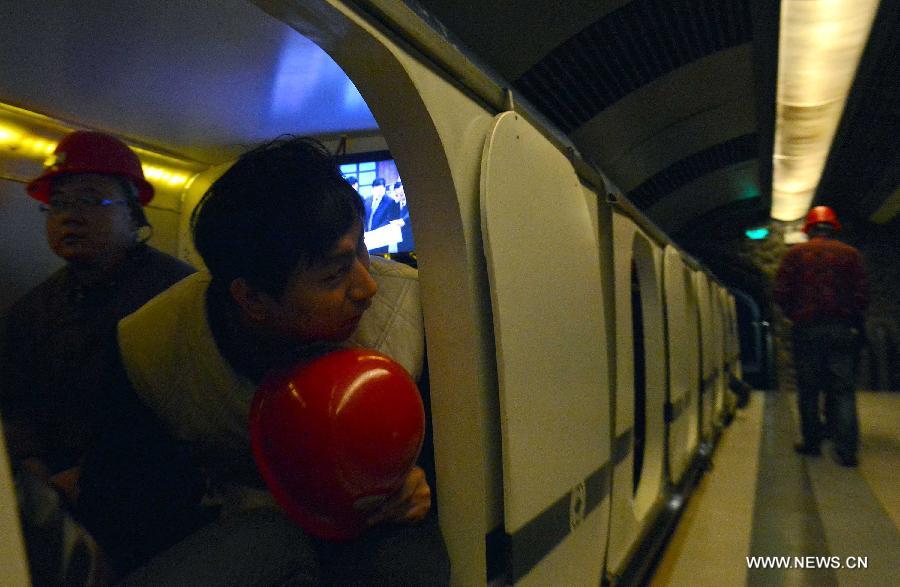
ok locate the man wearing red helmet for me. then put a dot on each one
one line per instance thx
(822, 287)
(59, 337)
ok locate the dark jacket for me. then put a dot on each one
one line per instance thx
(58, 343)
(388, 209)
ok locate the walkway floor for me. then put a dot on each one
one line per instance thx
(763, 500)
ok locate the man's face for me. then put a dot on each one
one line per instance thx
(377, 191)
(88, 219)
(325, 301)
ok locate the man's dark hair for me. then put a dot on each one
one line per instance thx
(378, 181)
(281, 204)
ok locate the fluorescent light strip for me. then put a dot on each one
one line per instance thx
(22, 143)
(820, 45)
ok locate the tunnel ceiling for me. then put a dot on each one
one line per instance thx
(674, 100)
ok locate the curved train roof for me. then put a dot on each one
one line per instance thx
(202, 80)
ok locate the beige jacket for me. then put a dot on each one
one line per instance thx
(175, 367)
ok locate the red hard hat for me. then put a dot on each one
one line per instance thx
(85, 151)
(820, 215)
(335, 436)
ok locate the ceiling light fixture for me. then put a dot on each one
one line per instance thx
(21, 137)
(819, 47)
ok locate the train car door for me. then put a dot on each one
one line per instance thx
(638, 477)
(734, 346)
(681, 343)
(707, 362)
(720, 403)
(540, 233)
(729, 400)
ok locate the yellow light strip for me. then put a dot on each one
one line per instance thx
(16, 141)
(9, 135)
(819, 48)
(164, 175)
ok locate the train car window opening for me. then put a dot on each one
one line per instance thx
(640, 377)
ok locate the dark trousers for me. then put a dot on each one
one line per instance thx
(825, 357)
(263, 547)
(141, 500)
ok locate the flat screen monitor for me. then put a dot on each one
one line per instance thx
(386, 222)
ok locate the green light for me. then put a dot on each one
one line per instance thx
(749, 191)
(757, 234)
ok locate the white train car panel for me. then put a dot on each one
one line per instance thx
(541, 244)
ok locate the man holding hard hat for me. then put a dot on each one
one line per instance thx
(289, 279)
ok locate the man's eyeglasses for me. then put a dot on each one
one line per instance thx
(78, 204)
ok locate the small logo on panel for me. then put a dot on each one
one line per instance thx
(577, 505)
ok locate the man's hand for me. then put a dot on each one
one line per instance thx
(409, 504)
(67, 483)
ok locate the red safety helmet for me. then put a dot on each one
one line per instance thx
(821, 215)
(86, 151)
(335, 436)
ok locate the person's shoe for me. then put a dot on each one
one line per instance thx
(845, 460)
(810, 450)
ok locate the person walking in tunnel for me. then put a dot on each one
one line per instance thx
(821, 285)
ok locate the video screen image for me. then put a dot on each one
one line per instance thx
(386, 222)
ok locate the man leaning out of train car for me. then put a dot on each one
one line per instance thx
(59, 339)
(288, 276)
